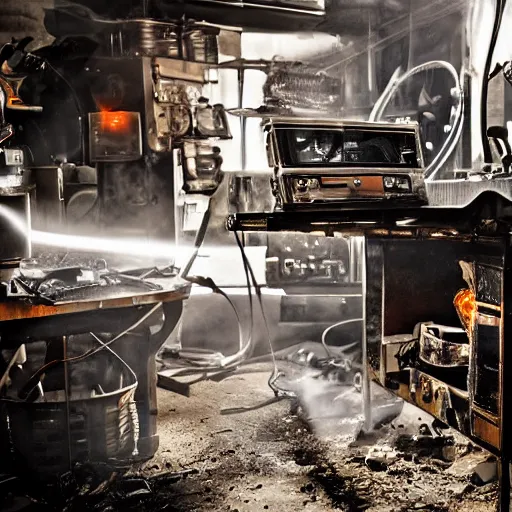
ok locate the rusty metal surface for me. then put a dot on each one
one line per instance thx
(452, 406)
(173, 289)
(436, 350)
(376, 218)
(485, 430)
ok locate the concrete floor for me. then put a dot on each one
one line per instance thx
(270, 460)
(274, 459)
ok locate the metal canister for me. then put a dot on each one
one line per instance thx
(152, 38)
(200, 43)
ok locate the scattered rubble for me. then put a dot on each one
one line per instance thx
(485, 473)
(380, 457)
(272, 459)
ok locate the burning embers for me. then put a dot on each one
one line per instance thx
(449, 347)
(444, 346)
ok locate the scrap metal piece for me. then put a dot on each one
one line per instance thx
(50, 279)
(294, 84)
(468, 274)
(444, 346)
(166, 382)
(173, 289)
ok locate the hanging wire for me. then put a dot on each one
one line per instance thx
(36, 377)
(275, 373)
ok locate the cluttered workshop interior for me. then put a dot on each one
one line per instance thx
(255, 255)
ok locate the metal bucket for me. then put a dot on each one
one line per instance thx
(50, 437)
(200, 43)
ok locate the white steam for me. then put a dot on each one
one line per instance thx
(126, 246)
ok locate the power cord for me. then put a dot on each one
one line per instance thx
(34, 380)
(276, 374)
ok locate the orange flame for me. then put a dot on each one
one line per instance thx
(117, 122)
(465, 304)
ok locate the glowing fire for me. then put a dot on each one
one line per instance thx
(465, 304)
(118, 122)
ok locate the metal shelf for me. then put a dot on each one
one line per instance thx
(375, 219)
(245, 16)
(346, 19)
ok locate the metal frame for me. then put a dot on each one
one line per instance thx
(480, 237)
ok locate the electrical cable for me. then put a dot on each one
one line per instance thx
(208, 361)
(199, 239)
(276, 373)
(238, 410)
(244, 347)
(104, 345)
(234, 359)
(36, 377)
(257, 289)
(249, 292)
(338, 324)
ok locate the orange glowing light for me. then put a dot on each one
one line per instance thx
(117, 122)
(465, 304)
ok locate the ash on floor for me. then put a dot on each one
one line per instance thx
(272, 459)
(269, 459)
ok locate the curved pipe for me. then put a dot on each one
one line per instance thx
(450, 143)
(338, 324)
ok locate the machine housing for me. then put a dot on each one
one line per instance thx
(326, 162)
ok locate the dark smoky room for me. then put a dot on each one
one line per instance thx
(255, 255)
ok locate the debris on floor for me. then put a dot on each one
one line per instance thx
(272, 459)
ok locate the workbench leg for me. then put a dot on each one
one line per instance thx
(67, 389)
(504, 485)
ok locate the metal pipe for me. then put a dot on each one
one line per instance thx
(355, 252)
(367, 399)
(243, 120)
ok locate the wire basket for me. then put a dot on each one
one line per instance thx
(50, 437)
